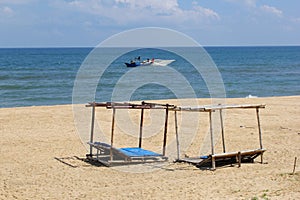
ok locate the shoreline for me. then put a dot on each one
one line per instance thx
(33, 140)
(158, 100)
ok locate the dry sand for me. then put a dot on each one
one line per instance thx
(32, 139)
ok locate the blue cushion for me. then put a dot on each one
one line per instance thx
(135, 151)
(203, 157)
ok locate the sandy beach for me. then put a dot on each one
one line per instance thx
(42, 158)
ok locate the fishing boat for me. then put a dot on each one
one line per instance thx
(137, 62)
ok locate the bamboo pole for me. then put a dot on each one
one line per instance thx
(222, 130)
(141, 128)
(112, 133)
(92, 129)
(239, 158)
(177, 137)
(295, 163)
(213, 163)
(259, 128)
(211, 133)
(166, 130)
(212, 141)
(259, 132)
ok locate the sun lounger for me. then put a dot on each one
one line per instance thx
(211, 161)
(110, 156)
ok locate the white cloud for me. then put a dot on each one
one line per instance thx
(254, 8)
(297, 20)
(150, 12)
(158, 5)
(271, 10)
(207, 12)
(15, 1)
(248, 3)
(251, 3)
(6, 11)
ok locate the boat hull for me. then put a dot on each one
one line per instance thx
(135, 64)
(131, 64)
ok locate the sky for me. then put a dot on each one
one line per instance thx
(86, 23)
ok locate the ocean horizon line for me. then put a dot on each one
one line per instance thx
(92, 47)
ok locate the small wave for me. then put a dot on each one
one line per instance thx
(250, 96)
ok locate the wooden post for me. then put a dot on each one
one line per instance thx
(112, 133)
(295, 163)
(212, 141)
(166, 130)
(141, 128)
(222, 130)
(211, 133)
(259, 129)
(92, 129)
(177, 137)
(239, 158)
(213, 163)
(259, 132)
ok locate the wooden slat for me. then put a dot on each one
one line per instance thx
(91, 104)
(128, 105)
(107, 149)
(211, 108)
(191, 109)
(243, 153)
(190, 160)
(245, 106)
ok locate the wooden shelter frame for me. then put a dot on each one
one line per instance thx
(106, 154)
(225, 157)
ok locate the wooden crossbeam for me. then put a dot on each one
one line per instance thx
(127, 105)
(212, 108)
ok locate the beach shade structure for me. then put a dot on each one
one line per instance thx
(109, 155)
(212, 160)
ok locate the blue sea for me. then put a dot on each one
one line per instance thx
(46, 76)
